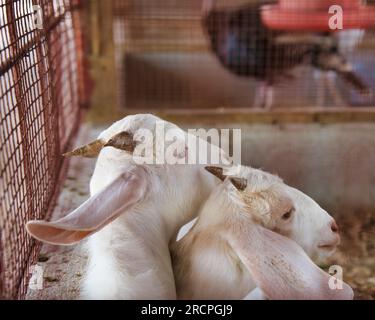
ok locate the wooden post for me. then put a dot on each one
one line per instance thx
(102, 61)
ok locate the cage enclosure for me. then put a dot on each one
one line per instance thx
(176, 56)
(303, 100)
(41, 97)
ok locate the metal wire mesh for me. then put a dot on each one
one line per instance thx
(40, 104)
(184, 54)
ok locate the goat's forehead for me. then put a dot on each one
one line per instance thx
(302, 200)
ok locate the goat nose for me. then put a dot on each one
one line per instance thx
(334, 227)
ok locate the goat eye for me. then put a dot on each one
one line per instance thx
(288, 215)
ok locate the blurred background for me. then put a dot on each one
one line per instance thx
(302, 94)
(175, 55)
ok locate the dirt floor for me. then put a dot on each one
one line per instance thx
(357, 253)
(64, 266)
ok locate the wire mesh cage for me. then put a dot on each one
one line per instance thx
(221, 54)
(186, 54)
(41, 96)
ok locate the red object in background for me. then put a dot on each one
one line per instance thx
(313, 15)
(318, 4)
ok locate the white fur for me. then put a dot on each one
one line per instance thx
(130, 258)
(205, 265)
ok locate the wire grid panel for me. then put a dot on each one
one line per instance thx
(40, 112)
(220, 54)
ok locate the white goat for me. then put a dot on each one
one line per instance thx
(241, 241)
(133, 214)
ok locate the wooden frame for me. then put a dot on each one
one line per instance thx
(106, 93)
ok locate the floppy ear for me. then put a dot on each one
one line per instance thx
(280, 267)
(98, 211)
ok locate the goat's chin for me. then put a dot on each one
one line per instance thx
(321, 255)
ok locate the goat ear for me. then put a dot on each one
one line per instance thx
(98, 211)
(281, 268)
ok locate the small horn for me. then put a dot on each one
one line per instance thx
(90, 150)
(239, 183)
(217, 172)
(123, 141)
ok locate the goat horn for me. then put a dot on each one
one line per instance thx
(90, 150)
(217, 172)
(239, 183)
(123, 141)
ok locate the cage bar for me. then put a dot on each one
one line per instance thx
(42, 92)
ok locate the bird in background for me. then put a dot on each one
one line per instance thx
(247, 48)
